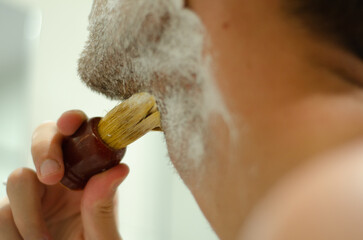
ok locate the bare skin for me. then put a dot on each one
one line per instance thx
(52, 211)
(283, 83)
(297, 102)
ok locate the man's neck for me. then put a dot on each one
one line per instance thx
(284, 140)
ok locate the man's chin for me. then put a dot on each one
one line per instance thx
(110, 78)
(156, 47)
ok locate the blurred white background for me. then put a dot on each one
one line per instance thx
(40, 43)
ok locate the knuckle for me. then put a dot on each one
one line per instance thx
(76, 112)
(44, 131)
(40, 147)
(19, 178)
(105, 209)
(46, 142)
(41, 128)
(99, 209)
(6, 215)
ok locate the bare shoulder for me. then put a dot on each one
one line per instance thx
(319, 201)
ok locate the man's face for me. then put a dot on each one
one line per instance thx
(285, 88)
(158, 47)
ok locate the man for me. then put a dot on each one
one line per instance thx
(261, 106)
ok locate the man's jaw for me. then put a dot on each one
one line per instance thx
(156, 47)
(135, 45)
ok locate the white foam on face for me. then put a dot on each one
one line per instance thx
(157, 47)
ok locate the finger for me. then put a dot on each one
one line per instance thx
(47, 153)
(8, 228)
(25, 193)
(47, 145)
(98, 205)
(70, 121)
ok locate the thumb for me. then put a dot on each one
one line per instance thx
(98, 204)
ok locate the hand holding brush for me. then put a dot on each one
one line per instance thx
(43, 209)
(100, 143)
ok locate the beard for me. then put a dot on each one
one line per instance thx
(156, 47)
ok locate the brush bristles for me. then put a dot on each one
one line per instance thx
(129, 121)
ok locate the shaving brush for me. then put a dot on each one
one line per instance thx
(100, 143)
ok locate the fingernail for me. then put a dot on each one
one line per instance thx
(49, 167)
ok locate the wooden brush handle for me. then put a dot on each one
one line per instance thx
(85, 154)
